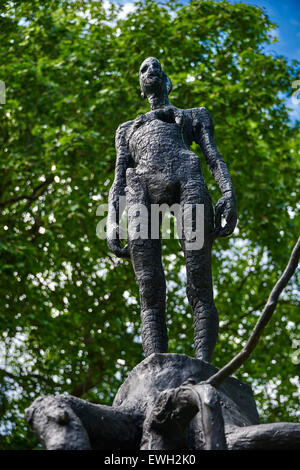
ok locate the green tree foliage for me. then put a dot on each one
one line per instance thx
(69, 308)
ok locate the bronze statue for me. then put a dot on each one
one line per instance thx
(169, 401)
(155, 166)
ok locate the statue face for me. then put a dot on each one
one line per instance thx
(151, 76)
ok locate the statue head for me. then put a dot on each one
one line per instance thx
(153, 80)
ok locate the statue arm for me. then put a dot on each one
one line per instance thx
(203, 130)
(117, 190)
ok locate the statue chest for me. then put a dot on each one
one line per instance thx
(154, 136)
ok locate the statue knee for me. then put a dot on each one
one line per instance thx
(56, 424)
(48, 407)
(152, 289)
(199, 285)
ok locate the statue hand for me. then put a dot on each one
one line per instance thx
(114, 244)
(225, 207)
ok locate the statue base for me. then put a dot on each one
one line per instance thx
(164, 404)
(159, 372)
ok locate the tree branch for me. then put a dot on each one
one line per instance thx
(81, 388)
(254, 309)
(30, 197)
(239, 288)
(21, 378)
(265, 317)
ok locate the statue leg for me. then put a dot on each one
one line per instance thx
(64, 422)
(146, 260)
(270, 436)
(199, 275)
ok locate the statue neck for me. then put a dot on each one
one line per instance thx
(158, 101)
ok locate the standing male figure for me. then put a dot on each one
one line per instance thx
(155, 166)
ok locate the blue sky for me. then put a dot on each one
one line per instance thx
(286, 14)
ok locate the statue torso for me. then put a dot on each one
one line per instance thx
(160, 149)
(153, 141)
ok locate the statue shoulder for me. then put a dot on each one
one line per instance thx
(202, 123)
(200, 116)
(122, 134)
(124, 127)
